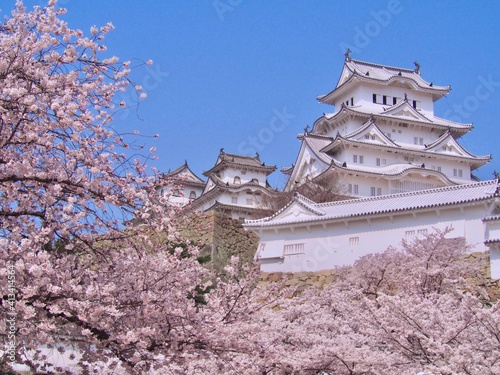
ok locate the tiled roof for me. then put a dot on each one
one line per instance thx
(492, 218)
(423, 120)
(360, 71)
(239, 161)
(185, 175)
(316, 144)
(385, 73)
(382, 205)
(473, 160)
(393, 171)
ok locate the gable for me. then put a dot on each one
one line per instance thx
(405, 111)
(370, 133)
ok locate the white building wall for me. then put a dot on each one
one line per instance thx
(228, 175)
(364, 96)
(179, 195)
(493, 233)
(342, 244)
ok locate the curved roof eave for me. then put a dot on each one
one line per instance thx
(330, 97)
(473, 159)
(431, 199)
(344, 111)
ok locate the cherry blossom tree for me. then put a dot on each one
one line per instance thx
(409, 311)
(133, 298)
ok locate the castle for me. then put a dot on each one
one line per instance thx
(402, 166)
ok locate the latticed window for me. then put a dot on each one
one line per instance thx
(294, 248)
(353, 242)
(409, 235)
(403, 186)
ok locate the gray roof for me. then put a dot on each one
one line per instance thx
(311, 212)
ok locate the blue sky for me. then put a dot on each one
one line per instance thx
(244, 75)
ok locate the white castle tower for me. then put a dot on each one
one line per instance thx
(383, 137)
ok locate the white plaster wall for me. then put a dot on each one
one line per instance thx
(365, 95)
(326, 248)
(228, 175)
(184, 194)
(495, 262)
(493, 230)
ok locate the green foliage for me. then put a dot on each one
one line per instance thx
(199, 293)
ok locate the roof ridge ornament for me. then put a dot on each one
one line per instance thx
(347, 55)
(417, 67)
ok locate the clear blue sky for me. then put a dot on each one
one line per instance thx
(244, 75)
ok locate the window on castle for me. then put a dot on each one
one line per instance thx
(176, 193)
(295, 248)
(255, 181)
(192, 194)
(409, 235)
(353, 242)
(414, 103)
(249, 202)
(421, 233)
(394, 100)
(418, 141)
(237, 180)
(358, 159)
(353, 189)
(375, 191)
(234, 199)
(352, 101)
(457, 173)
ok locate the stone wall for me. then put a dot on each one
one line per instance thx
(221, 238)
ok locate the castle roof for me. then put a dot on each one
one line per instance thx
(435, 149)
(400, 111)
(226, 160)
(355, 71)
(184, 175)
(303, 211)
(390, 172)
